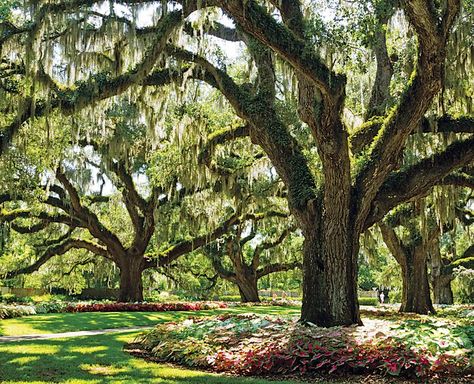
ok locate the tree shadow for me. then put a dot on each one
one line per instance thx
(83, 321)
(97, 359)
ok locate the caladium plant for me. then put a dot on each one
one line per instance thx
(254, 345)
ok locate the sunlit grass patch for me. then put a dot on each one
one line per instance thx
(85, 350)
(104, 370)
(32, 349)
(70, 322)
(24, 360)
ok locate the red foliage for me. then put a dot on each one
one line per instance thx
(305, 357)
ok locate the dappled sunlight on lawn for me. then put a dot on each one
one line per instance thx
(87, 349)
(90, 360)
(70, 322)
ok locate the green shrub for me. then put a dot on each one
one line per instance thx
(51, 307)
(368, 301)
(10, 298)
(7, 298)
(161, 297)
(231, 298)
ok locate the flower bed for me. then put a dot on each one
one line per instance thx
(11, 311)
(142, 307)
(257, 345)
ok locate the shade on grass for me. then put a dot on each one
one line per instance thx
(95, 359)
(69, 322)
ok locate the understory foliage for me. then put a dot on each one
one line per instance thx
(11, 311)
(249, 344)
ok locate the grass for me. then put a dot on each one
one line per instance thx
(69, 322)
(97, 359)
(100, 359)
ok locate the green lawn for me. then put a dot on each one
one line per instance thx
(67, 322)
(99, 359)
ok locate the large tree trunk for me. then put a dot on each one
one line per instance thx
(330, 283)
(131, 286)
(442, 291)
(440, 280)
(416, 290)
(248, 288)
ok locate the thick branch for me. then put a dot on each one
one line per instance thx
(417, 180)
(217, 30)
(444, 124)
(221, 137)
(258, 23)
(277, 267)
(393, 243)
(426, 81)
(60, 249)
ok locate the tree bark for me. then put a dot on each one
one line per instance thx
(412, 259)
(131, 285)
(440, 279)
(248, 288)
(416, 290)
(442, 291)
(329, 283)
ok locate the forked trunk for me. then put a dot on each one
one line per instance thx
(442, 291)
(131, 286)
(330, 283)
(416, 290)
(440, 278)
(248, 289)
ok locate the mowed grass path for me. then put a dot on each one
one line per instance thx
(100, 359)
(70, 322)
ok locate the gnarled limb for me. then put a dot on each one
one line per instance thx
(417, 180)
(278, 267)
(364, 135)
(425, 83)
(60, 249)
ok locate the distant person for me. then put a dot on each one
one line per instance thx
(382, 297)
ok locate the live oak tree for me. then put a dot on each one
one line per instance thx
(411, 249)
(247, 263)
(86, 217)
(443, 272)
(413, 234)
(338, 183)
(444, 262)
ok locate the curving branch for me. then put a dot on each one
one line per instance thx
(417, 180)
(364, 135)
(270, 244)
(395, 246)
(187, 246)
(89, 219)
(217, 29)
(278, 267)
(60, 248)
(43, 217)
(424, 85)
(99, 86)
(255, 21)
(221, 137)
